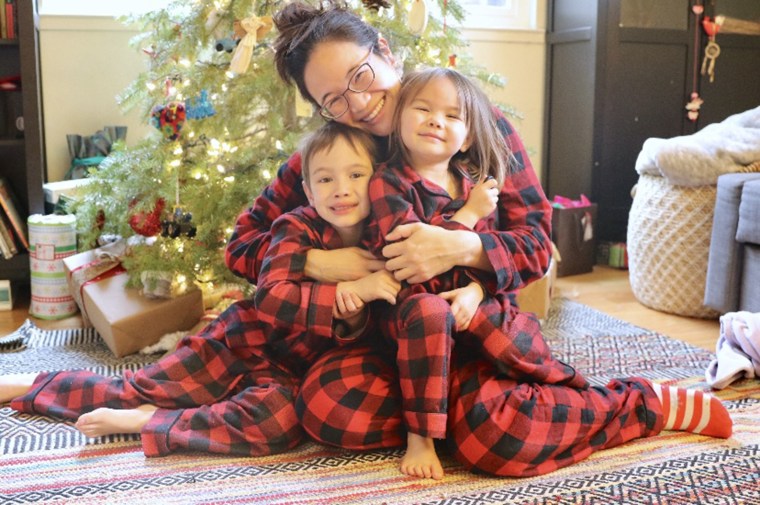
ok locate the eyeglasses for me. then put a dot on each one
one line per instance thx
(359, 82)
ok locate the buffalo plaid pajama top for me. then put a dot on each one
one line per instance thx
(421, 323)
(498, 425)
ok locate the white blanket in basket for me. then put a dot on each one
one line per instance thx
(699, 159)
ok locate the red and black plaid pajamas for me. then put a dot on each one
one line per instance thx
(230, 389)
(218, 392)
(351, 398)
(296, 309)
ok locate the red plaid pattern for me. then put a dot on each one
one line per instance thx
(250, 239)
(528, 416)
(297, 309)
(496, 425)
(218, 392)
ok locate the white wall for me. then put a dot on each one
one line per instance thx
(86, 61)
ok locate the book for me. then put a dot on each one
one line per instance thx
(7, 244)
(8, 203)
(3, 26)
(10, 19)
(6, 295)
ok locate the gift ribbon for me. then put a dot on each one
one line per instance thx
(90, 273)
(244, 51)
(83, 162)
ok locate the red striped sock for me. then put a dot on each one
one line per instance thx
(693, 411)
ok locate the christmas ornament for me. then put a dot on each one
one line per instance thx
(375, 5)
(169, 119)
(226, 44)
(696, 102)
(199, 107)
(253, 28)
(418, 17)
(180, 223)
(693, 106)
(147, 224)
(712, 50)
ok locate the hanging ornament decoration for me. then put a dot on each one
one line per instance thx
(169, 119)
(453, 60)
(696, 102)
(375, 5)
(147, 224)
(200, 107)
(693, 106)
(179, 223)
(418, 17)
(712, 50)
(249, 31)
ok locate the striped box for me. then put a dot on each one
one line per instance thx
(51, 238)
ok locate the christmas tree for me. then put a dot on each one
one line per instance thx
(224, 124)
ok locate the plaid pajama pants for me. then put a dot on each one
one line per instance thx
(497, 425)
(422, 327)
(216, 393)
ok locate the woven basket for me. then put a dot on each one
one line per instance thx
(669, 230)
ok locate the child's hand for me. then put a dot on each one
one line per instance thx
(380, 285)
(347, 304)
(464, 303)
(484, 197)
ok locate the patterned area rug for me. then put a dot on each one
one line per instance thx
(47, 461)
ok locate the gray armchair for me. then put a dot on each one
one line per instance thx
(733, 269)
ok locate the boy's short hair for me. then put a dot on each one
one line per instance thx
(324, 138)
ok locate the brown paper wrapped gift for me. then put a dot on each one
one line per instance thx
(536, 297)
(126, 320)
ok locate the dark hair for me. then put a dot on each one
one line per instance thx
(324, 138)
(488, 153)
(301, 27)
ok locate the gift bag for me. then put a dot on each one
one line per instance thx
(573, 231)
(89, 151)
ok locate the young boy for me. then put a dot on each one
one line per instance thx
(231, 388)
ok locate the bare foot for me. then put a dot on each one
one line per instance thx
(420, 459)
(105, 421)
(14, 385)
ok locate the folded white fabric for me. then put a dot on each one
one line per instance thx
(700, 158)
(737, 351)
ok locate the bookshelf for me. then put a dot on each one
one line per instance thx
(22, 161)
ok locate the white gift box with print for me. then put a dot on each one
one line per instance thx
(51, 238)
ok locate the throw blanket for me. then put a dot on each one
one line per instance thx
(737, 351)
(698, 159)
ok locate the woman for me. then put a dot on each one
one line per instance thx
(350, 397)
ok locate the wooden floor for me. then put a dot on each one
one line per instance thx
(606, 289)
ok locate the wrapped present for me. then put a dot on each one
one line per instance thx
(573, 224)
(126, 320)
(51, 239)
(536, 297)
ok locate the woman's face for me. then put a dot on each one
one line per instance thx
(327, 75)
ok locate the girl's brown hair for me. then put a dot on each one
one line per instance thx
(324, 138)
(302, 27)
(488, 154)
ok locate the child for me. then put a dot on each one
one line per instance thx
(337, 164)
(447, 161)
(231, 388)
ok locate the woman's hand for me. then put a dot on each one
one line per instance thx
(422, 251)
(464, 303)
(338, 265)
